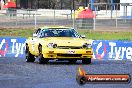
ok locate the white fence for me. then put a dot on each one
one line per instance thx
(47, 17)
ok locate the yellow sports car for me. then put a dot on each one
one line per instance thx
(61, 43)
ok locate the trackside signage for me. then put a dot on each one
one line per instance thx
(103, 49)
(12, 47)
(112, 50)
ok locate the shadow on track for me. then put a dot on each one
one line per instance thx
(61, 63)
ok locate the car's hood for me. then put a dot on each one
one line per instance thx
(66, 41)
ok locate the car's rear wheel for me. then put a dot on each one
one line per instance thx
(42, 60)
(29, 56)
(72, 61)
(86, 61)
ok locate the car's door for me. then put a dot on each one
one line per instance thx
(35, 42)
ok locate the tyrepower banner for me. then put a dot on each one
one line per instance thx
(103, 49)
(112, 50)
(12, 47)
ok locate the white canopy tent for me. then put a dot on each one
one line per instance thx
(126, 8)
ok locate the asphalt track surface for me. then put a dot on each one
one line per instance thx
(16, 73)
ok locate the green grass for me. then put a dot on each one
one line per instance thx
(25, 33)
(107, 35)
(89, 34)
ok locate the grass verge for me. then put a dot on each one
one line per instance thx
(96, 35)
(107, 35)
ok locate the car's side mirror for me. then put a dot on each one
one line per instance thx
(83, 36)
(34, 35)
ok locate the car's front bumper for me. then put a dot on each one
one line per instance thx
(67, 53)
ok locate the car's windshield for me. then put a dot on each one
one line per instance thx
(59, 33)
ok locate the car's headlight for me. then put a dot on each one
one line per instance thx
(89, 46)
(52, 45)
(86, 46)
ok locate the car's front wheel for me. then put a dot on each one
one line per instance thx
(86, 61)
(29, 56)
(42, 60)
